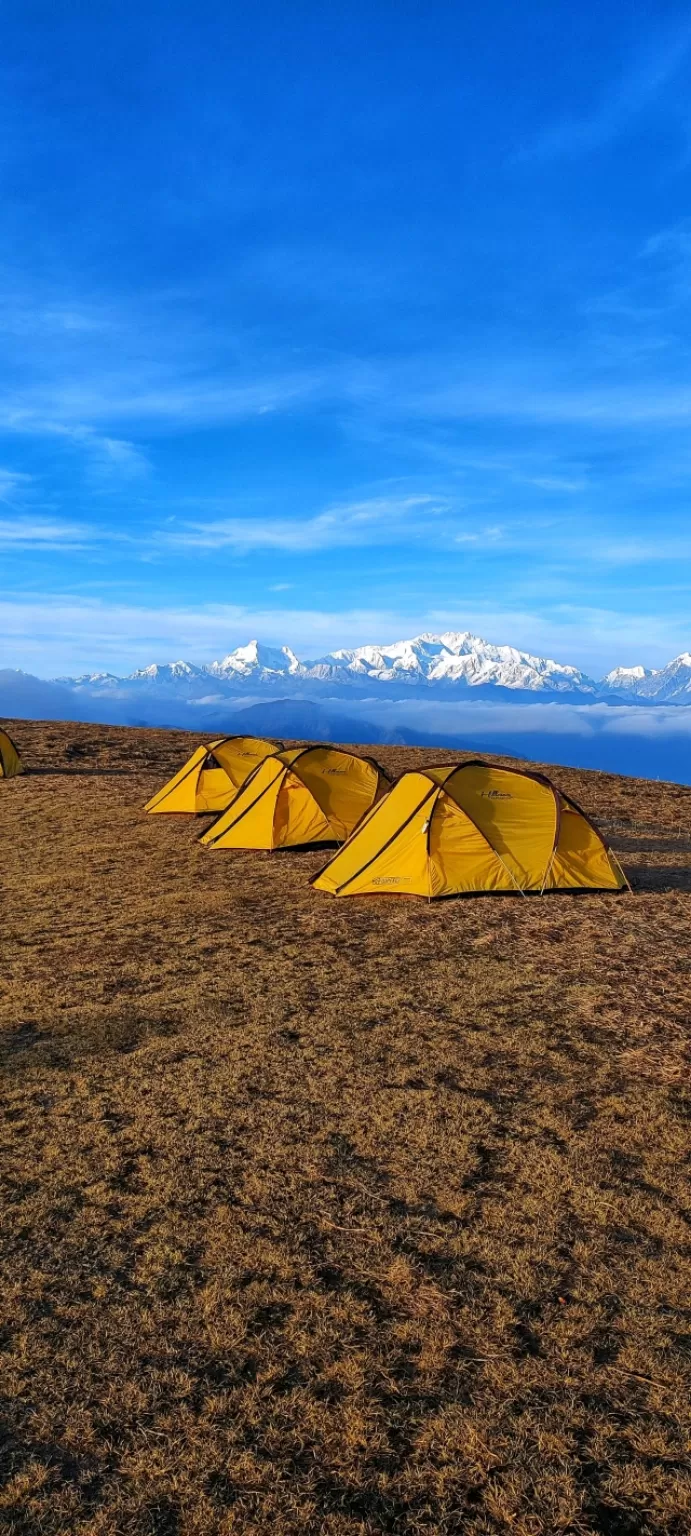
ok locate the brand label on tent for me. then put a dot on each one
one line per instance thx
(494, 794)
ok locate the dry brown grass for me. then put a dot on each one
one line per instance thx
(342, 1217)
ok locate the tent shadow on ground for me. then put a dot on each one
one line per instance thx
(82, 773)
(669, 842)
(656, 877)
(660, 877)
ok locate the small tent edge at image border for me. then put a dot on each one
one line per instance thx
(11, 764)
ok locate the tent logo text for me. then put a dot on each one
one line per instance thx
(494, 794)
(389, 880)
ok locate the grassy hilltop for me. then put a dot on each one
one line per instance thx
(344, 1217)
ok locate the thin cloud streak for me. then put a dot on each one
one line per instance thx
(39, 533)
(522, 398)
(79, 634)
(386, 522)
(189, 388)
(380, 520)
(27, 532)
(13, 483)
(388, 393)
(171, 397)
(536, 718)
(637, 89)
(401, 522)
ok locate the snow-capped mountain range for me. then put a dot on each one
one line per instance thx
(450, 662)
(666, 684)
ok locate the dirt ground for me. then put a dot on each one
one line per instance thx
(326, 1216)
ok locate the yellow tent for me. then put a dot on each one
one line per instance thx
(304, 795)
(211, 777)
(471, 827)
(10, 761)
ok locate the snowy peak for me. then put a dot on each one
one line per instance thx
(248, 660)
(626, 677)
(455, 660)
(167, 672)
(680, 665)
(91, 679)
(412, 656)
(672, 682)
(453, 657)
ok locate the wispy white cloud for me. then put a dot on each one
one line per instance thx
(42, 533)
(554, 483)
(204, 400)
(106, 456)
(485, 537)
(672, 244)
(387, 522)
(523, 394)
(119, 455)
(379, 520)
(50, 320)
(56, 634)
(639, 551)
(110, 383)
(638, 87)
(13, 484)
(92, 400)
(26, 531)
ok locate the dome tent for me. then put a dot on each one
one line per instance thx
(466, 828)
(305, 795)
(10, 761)
(211, 776)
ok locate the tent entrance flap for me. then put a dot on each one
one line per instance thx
(212, 789)
(298, 817)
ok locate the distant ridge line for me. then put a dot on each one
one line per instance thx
(453, 661)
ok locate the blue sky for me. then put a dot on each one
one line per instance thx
(330, 324)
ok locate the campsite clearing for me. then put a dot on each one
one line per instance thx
(335, 1217)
